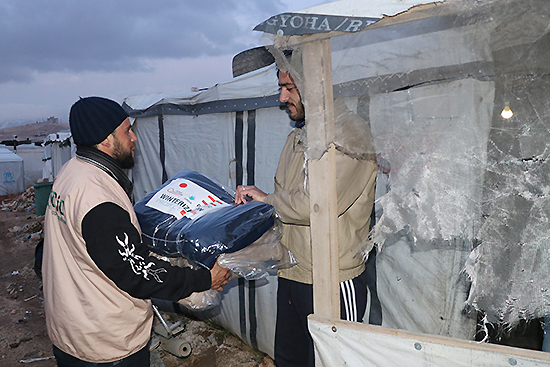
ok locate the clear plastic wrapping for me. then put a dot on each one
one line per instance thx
(256, 261)
(264, 257)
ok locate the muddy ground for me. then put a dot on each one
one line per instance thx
(24, 340)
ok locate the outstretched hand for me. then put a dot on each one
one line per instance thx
(220, 277)
(250, 191)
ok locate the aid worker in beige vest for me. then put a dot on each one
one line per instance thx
(98, 277)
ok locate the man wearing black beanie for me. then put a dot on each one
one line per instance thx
(98, 277)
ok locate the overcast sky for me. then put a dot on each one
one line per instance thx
(52, 52)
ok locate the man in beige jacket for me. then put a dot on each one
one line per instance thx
(356, 176)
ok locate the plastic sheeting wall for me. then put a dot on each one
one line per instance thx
(420, 277)
(461, 178)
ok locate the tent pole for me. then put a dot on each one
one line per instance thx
(318, 100)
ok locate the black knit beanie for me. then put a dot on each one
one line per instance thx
(92, 119)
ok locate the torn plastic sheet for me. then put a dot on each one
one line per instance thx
(509, 270)
(430, 85)
(194, 217)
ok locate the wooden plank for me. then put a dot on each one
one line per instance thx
(318, 101)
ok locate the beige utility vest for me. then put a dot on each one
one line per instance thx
(87, 315)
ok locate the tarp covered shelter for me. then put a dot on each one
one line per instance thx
(58, 149)
(32, 158)
(12, 172)
(461, 197)
(465, 185)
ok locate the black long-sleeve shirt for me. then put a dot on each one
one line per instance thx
(114, 244)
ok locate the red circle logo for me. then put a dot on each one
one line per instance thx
(184, 185)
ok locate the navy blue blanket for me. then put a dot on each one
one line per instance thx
(199, 225)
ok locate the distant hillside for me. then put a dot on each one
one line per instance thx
(36, 132)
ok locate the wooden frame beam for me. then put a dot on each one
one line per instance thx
(318, 101)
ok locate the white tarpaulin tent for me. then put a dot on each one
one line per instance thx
(58, 149)
(32, 158)
(12, 172)
(462, 186)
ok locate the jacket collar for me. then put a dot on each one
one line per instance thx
(106, 163)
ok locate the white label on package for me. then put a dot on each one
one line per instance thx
(184, 198)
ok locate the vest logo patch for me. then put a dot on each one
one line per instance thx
(57, 206)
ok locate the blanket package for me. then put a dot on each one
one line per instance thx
(191, 216)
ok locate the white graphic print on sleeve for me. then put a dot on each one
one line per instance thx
(136, 261)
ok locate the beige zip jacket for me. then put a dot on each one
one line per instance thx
(355, 181)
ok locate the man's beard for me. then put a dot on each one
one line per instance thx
(124, 159)
(300, 112)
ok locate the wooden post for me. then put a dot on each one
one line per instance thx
(318, 101)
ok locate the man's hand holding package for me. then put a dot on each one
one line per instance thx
(251, 191)
(220, 277)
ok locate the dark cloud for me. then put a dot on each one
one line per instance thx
(73, 35)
